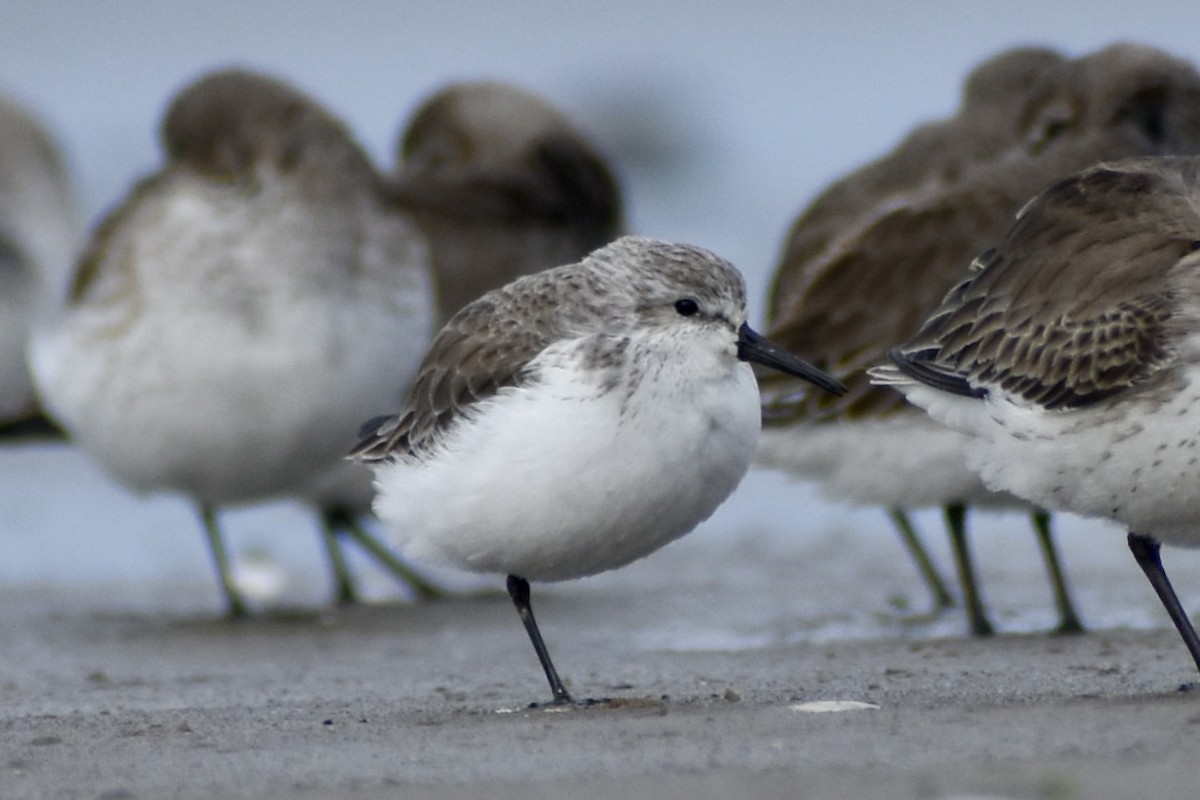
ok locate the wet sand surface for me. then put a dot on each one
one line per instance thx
(713, 651)
(428, 701)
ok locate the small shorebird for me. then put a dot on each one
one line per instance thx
(40, 229)
(234, 319)
(502, 185)
(873, 255)
(577, 419)
(1070, 356)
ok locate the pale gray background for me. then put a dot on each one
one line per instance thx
(724, 122)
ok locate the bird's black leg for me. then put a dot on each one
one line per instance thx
(350, 524)
(1068, 618)
(956, 514)
(344, 593)
(942, 599)
(1145, 550)
(518, 590)
(235, 604)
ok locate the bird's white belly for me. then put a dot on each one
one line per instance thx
(905, 460)
(1129, 460)
(187, 403)
(561, 479)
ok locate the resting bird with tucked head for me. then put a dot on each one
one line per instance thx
(577, 419)
(234, 318)
(1070, 357)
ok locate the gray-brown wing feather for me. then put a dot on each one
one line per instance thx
(1027, 117)
(476, 355)
(1076, 302)
(873, 293)
(106, 235)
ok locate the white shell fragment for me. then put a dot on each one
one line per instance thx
(825, 706)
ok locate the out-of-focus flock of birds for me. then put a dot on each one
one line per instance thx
(224, 330)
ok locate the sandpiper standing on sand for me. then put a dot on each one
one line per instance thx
(234, 319)
(874, 254)
(1071, 358)
(577, 419)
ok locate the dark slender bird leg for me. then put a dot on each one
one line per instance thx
(348, 523)
(1145, 550)
(1068, 619)
(236, 605)
(344, 593)
(942, 599)
(956, 514)
(33, 426)
(518, 590)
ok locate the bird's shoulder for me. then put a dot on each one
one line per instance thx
(488, 346)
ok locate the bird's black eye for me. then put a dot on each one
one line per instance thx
(686, 307)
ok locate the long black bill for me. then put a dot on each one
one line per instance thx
(753, 347)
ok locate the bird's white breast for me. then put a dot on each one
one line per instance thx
(565, 478)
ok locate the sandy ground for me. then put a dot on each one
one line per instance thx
(119, 678)
(430, 700)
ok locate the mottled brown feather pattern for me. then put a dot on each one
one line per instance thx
(476, 355)
(873, 256)
(933, 157)
(87, 273)
(850, 330)
(1077, 302)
